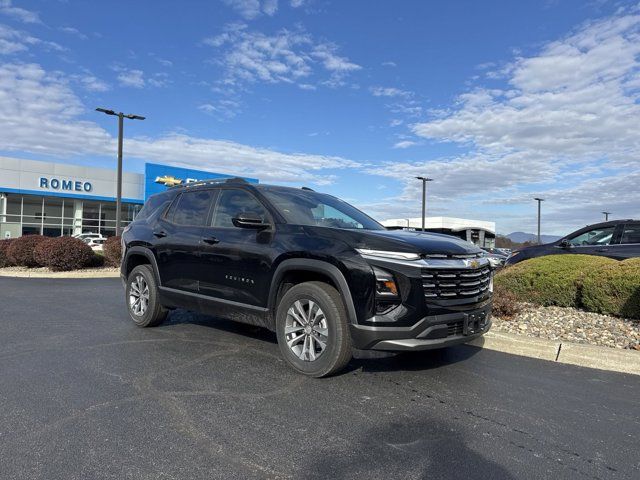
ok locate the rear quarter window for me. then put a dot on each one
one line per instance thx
(153, 205)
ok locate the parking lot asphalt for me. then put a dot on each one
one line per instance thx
(84, 394)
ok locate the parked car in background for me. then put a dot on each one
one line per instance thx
(96, 244)
(320, 273)
(86, 236)
(496, 258)
(617, 239)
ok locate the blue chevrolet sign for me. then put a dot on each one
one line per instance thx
(158, 178)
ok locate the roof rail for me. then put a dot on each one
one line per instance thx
(214, 181)
(309, 189)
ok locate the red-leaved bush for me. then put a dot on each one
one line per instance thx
(64, 253)
(21, 250)
(4, 246)
(112, 250)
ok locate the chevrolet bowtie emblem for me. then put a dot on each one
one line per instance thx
(474, 264)
(168, 181)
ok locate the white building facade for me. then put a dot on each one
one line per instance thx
(478, 232)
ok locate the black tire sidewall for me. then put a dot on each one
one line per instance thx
(153, 313)
(336, 322)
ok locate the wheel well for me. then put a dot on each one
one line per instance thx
(134, 260)
(295, 277)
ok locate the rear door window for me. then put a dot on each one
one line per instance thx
(192, 208)
(597, 236)
(631, 234)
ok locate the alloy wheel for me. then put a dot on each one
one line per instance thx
(139, 295)
(306, 330)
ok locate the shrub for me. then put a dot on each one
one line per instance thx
(614, 290)
(21, 250)
(551, 280)
(42, 249)
(96, 261)
(505, 303)
(4, 259)
(65, 253)
(112, 250)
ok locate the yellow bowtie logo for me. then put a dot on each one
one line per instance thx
(168, 181)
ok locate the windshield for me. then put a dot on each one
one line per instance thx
(304, 207)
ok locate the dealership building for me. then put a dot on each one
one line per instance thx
(479, 232)
(56, 199)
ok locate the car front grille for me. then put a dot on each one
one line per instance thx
(454, 284)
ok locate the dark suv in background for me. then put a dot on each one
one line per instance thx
(320, 273)
(617, 239)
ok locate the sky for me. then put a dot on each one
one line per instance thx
(497, 101)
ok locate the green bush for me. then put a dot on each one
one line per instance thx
(112, 250)
(551, 280)
(4, 246)
(64, 253)
(21, 251)
(614, 290)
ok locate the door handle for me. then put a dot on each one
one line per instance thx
(210, 240)
(602, 249)
(160, 234)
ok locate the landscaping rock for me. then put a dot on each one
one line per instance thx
(572, 325)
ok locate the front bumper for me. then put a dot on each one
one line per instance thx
(431, 332)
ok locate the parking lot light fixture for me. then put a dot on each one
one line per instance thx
(606, 216)
(121, 116)
(539, 200)
(424, 196)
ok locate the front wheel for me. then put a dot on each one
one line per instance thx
(312, 329)
(142, 298)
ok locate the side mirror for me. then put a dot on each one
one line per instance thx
(249, 220)
(564, 243)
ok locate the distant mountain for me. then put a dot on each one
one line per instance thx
(521, 237)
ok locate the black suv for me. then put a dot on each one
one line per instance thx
(617, 239)
(320, 273)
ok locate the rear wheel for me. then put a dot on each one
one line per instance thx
(143, 302)
(312, 329)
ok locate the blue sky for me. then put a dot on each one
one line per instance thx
(498, 101)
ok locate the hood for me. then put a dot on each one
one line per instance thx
(407, 241)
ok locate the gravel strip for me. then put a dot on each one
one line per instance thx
(44, 272)
(572, 325)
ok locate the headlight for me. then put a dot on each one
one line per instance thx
(387, 254)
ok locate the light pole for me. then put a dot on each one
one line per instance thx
(121, 116)
(539, 200)
(606, 216)
(424, 196)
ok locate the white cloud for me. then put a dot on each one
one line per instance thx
(92, 83)
(405, 144)
(15, 41)
(43, 116)
(74, 31)
(297, 3)
(21, 14)
(250, 9)
(288, 56)
(389, 92)
(565, 124)
(131, 78)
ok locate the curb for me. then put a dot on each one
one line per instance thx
(590, 356)
(76, 274)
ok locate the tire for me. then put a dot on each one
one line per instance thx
(143, 314)
(330, 328)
